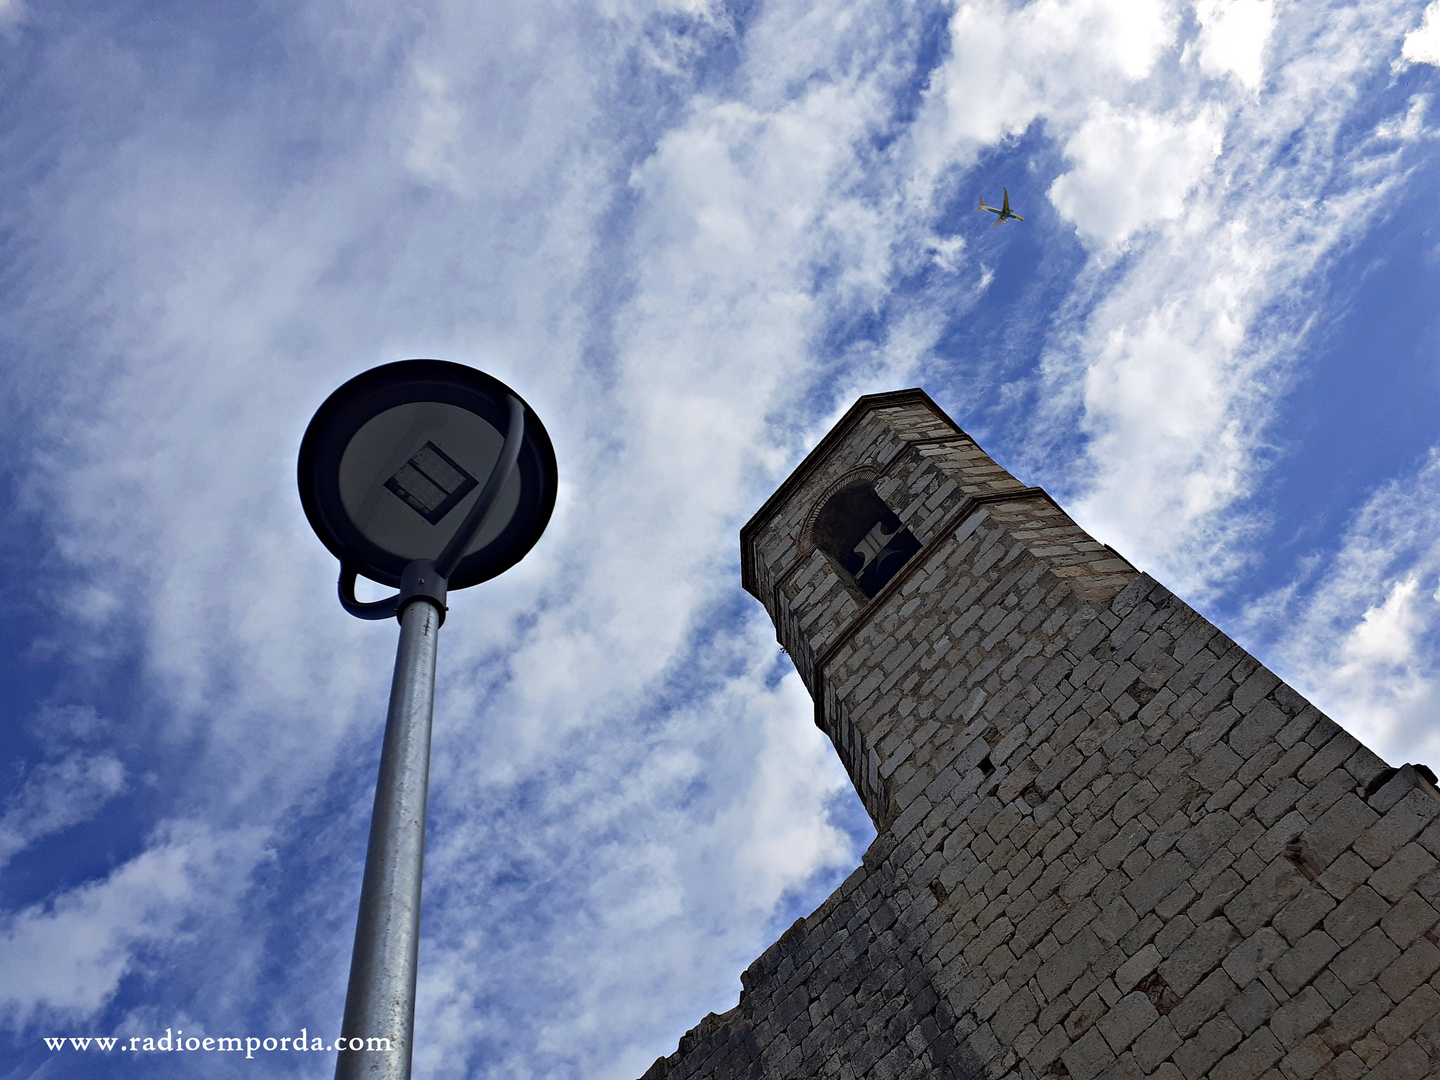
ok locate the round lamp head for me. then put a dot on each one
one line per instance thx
(393, 460)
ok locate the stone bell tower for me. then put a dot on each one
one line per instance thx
(1111, 843)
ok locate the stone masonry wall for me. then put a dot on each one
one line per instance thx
(1110, 842)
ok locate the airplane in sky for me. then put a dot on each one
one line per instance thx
(1004, 211)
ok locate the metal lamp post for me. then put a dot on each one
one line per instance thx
(427, 476)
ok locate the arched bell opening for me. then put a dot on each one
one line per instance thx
(864, 537)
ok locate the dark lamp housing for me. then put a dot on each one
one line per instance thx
(395, 459)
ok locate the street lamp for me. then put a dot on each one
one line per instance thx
(426, 476)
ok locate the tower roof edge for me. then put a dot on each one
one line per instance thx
(865, 404)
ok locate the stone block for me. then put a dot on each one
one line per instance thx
(1252, 1007)
(1216, 766)
(1082, 1018)
(1155, 1044)
(1337, 828)
(1122, 1068)
(1129, 837)
(1408, 919)
(1345, 1066)
(1137, 967)
(1207, 999)
(1069, 963)
(1429, 838)
(1399, 826)
(1306, 1060)
(1257, 729)
(1274, 887)
(1206, 836)
(1115, 921)
(1012, 1017)
(1304, 913)
(1365, 959)
(1217, 894)
(1254, 955)
(1409, 969)
(1392, 788)
(1322, 796)
(1178, 900)
(1163, 876)
(1407, 1017)
(1299, 1016)
(1407, 1062)
(1403, 871)
(1358, 912)
(1087, 1057)
(1333, 746)
(1126, 1020)
(1280, 801)
(1365, 766)
(1051, 1045)
(1250, 692)
(1304, 960)
(1359, 1015)
(1250, 1059)
(1199, 954)
(1213, 1041)
(1345, 875)
(1080, 916)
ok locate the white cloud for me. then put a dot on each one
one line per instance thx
(1422, 44)
(56, 795)
(1011, 65)
(1165, 365)
(786, 822)
(1134, 169)
(59, 727)
(947, 251)
(1361, 632)
(752, 802)
(1233, 37)
(436, 131)
(66, 957)
(1385, 635)
(1409, 126)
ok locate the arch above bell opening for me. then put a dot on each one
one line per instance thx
(806, 540)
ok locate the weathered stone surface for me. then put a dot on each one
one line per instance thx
(1111, 843)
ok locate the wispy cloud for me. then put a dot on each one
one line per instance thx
(65, 959)
(1176, 356)
(1361, 631)
(56, 795)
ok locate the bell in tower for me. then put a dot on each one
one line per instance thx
(864, 537)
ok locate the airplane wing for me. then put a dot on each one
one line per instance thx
(997, 221)
(1005, 206)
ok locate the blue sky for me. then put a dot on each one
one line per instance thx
(690, 234)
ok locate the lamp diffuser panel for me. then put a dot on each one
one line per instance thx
(410, 475)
